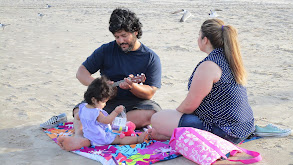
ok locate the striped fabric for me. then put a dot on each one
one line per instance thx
(226, 106)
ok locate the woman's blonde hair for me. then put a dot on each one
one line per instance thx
(225, 36)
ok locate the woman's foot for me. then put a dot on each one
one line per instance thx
(153, 134)
(142, 137)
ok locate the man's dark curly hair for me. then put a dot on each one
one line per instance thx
(124, 19)
(100, 89)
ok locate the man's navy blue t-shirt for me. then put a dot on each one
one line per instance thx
(116, 65)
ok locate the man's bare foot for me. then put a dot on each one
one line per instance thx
(70, 143)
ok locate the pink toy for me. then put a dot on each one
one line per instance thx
(130, 132)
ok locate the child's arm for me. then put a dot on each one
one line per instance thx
(77, 116)
(109, 119)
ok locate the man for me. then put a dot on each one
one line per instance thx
(122, 58)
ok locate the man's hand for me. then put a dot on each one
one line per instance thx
(110, 82)
(140, 91)
(127, 84)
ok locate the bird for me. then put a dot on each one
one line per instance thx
(217, 10)
(214, 13)
(185, 16)
(3, 25)
(41, 15)
(48, 6)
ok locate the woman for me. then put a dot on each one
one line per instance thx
(217, 99)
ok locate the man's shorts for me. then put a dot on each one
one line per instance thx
(129, 104)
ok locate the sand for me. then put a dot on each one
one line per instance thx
(40, 56)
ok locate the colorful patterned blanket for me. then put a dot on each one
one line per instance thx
(147, 152)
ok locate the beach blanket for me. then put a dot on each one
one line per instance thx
(148, 152)
(145, 153)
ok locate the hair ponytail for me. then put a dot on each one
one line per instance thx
(233, 54)
(225, 36)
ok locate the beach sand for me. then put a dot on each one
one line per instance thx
(40, 57)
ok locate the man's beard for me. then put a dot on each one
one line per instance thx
(130, 45)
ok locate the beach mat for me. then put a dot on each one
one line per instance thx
(145, 153)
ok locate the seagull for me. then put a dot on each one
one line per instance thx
(218, 10)
(3, 25)
(186, 14)
(48, 6)
(41, 15)
(213, 13)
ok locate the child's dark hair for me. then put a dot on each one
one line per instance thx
(124, 19)
(100, 89)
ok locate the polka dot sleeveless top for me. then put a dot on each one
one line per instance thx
(226, 106)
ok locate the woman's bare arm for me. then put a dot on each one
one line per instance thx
(204, 77)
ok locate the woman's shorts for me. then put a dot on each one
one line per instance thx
(191, 120)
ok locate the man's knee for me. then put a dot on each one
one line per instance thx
(147, 114)
(150, 113)
(140, 118)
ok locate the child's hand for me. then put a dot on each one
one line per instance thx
(119, 109)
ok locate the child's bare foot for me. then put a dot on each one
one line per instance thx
(70, 143)
(60, 141)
